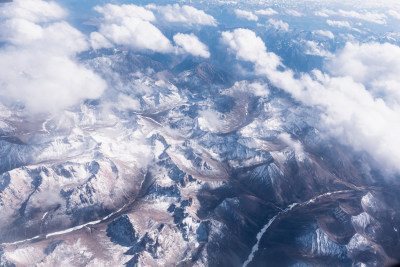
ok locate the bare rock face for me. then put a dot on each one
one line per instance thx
(337, 225)
(365, 251)
(121, 232)
(380, 221)
(317, 247)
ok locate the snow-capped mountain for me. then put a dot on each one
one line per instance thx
(171, 157)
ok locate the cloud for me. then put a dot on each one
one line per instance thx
(313, 48)
(324, 13)
(293, 144)
(255, 88)
(115, 13)
(33, 11)
(45, 199)
(185, 14)
(266, 12)
(338, 23)
(394, 14)
(37, 63)
(210, 120)
(247, 46)
(98, 41)
(128, 103)
(367, 16)
(377, 18)
(375, 65)
(243, 14)
(20, 31)
(371, 17)
(189, 43)
(294, 13)
(350, 111)
(129, 25)
(327, 34)
(279, 24)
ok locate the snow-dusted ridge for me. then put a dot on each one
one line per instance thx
(285, 212)
(66, 231)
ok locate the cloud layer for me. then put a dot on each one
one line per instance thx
(377, 18)
(37, 65)
(375, 65)
(351, 111)
(326, 33)
(266, 12)
(338, 23)
(33, 11)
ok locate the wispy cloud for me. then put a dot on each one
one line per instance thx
(294, 13)
(358, 108)
(327, 34)
(266, 12)
(377, 18)
(313, 48)
(339, 23)
(394, 14)
(279, 24)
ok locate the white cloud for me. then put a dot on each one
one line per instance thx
(293, 144)
(243, 14)
(294, 13)
(184, 15)
(130, 26)
(97, 41)
(350, 111)
(189, 43)
(115, 13)
(37, 64)
(394, 14)
(258, 89)
(367, 16)
(279, 24)
(266, 12)
(313, 48)
(327, 34)
(324, 13)
(255, 88)
(127, 103)
(210, 120)
(338, 23)
(20, 31)
(33, 11)
(375, 65)
(249, 47)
